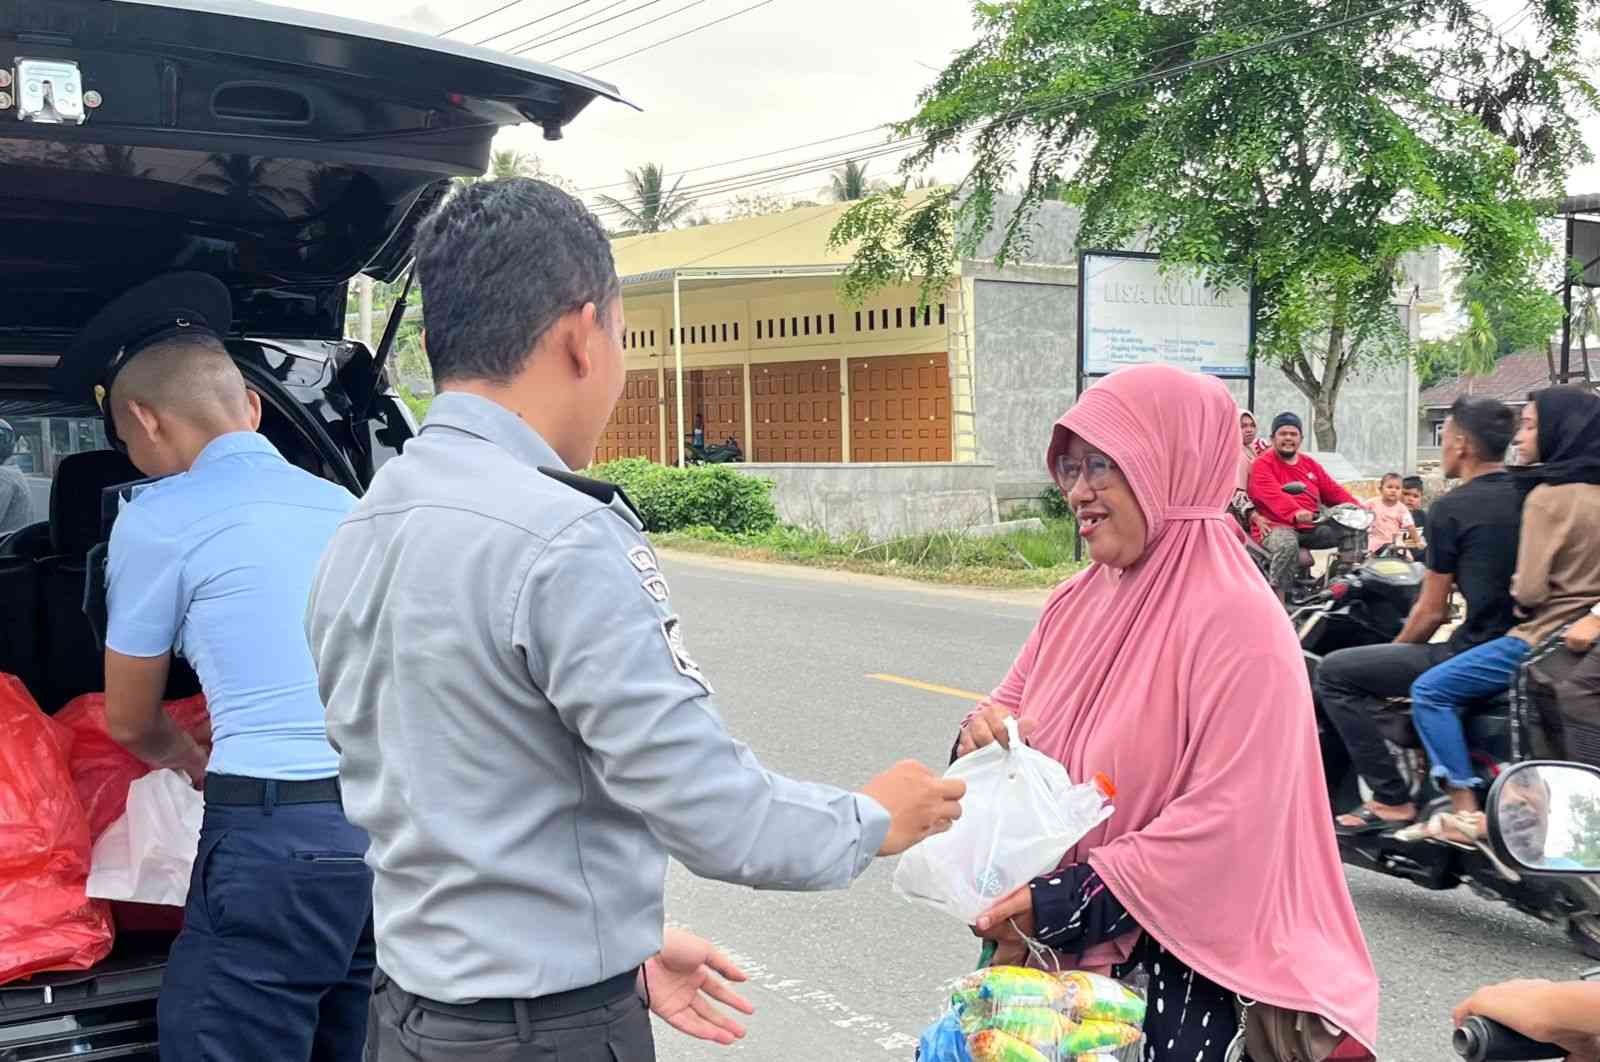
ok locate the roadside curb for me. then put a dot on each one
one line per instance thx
(1028, 597)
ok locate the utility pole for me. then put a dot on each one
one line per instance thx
(364, 294)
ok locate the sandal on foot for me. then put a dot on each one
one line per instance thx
(1437, 830)
(1370, 822)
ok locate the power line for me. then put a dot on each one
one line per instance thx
(624, 33)
(886, 125)
(556, 34)
(727, 191)
(789, 170)
(751, 158)
(532, 22)
(480, 18)
(676, 37)
(792, 170)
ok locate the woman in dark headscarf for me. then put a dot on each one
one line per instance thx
(1557, 582)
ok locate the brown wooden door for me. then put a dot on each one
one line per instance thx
(634, 428)
(795, 406)
(716, 395)
(900, 408)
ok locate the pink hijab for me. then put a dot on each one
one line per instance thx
(1180, 679)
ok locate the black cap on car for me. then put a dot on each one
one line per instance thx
(173, 304)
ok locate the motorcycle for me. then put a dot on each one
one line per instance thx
(698, 453)
(1544, 823)
(1499, 733)
(1350, 521)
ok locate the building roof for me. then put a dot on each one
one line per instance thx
(1513, 377)
(791, 238)
(797, 237)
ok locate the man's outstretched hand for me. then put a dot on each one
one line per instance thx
(684, 986)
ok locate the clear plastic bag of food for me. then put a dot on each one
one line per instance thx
(1021, 814)
(1016, 1014)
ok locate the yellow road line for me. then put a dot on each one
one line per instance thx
(898, 680)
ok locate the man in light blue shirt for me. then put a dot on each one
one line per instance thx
(215, 561)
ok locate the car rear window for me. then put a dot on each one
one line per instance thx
(42, 441)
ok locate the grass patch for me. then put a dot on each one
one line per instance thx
(1020, 559)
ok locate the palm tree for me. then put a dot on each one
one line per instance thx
(509, 162)
(119, 162)
(652, 206)
(851, 182)
(243, 178)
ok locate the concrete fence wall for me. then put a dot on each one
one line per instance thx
(881, 501)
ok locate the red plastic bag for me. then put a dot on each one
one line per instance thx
(46, 921)
(102, 770)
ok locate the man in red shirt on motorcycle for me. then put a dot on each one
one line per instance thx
(1282, 521)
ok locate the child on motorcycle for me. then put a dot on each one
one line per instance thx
(1392, 521)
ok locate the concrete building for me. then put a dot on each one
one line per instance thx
(892, 417)
(1514, 377)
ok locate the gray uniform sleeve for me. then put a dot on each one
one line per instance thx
(595, 623)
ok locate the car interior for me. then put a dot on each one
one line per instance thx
(46, 639)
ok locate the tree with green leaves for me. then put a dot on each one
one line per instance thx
(1307, 147)
(1583, 827)
(651, 206)
(512, 162)
(850, 182)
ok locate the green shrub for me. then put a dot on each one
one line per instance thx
(1053, 505)
(712, 496)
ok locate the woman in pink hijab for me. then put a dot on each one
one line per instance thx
(1167, 666)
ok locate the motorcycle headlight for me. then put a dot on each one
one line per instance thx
(1352, 517)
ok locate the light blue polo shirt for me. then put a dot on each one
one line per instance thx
(216, 563)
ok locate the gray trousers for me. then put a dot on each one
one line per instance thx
(402, 1027)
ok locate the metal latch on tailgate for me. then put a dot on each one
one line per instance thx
(47, 91)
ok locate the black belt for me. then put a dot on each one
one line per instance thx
(237, 791)
(558, 1005)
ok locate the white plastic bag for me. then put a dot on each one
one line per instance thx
(1020, 815)
(147, 854)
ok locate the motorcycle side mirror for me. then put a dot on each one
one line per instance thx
(1544, 818)
(1294, 488)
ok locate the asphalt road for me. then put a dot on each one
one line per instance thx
(855, 976)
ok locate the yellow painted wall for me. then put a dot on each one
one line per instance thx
(882, 326)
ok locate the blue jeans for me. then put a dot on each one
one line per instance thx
(1442, 693)
(276, 956)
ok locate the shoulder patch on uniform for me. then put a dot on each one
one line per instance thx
(672, 631)
(656, 587)
(598, 489)
(642, 559)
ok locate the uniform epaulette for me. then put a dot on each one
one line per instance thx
(598, 489)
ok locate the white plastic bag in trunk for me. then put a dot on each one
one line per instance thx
(1020, 815)
(147, 854)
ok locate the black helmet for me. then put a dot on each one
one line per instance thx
(8, 441)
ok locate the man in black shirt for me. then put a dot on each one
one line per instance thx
(1472, 547)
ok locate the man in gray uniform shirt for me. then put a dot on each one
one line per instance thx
(521, 729)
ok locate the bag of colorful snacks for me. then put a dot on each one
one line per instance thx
(1016, 1014)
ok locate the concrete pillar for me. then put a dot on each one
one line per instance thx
(844, 408)
(677, 346)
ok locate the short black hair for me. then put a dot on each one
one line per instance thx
(500, 262)
(1411, 483)
(1488, 422)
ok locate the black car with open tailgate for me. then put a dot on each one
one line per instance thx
(281, 151)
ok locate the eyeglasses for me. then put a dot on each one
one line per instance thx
(1096, 469)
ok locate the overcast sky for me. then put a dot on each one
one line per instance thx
(787, 73)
